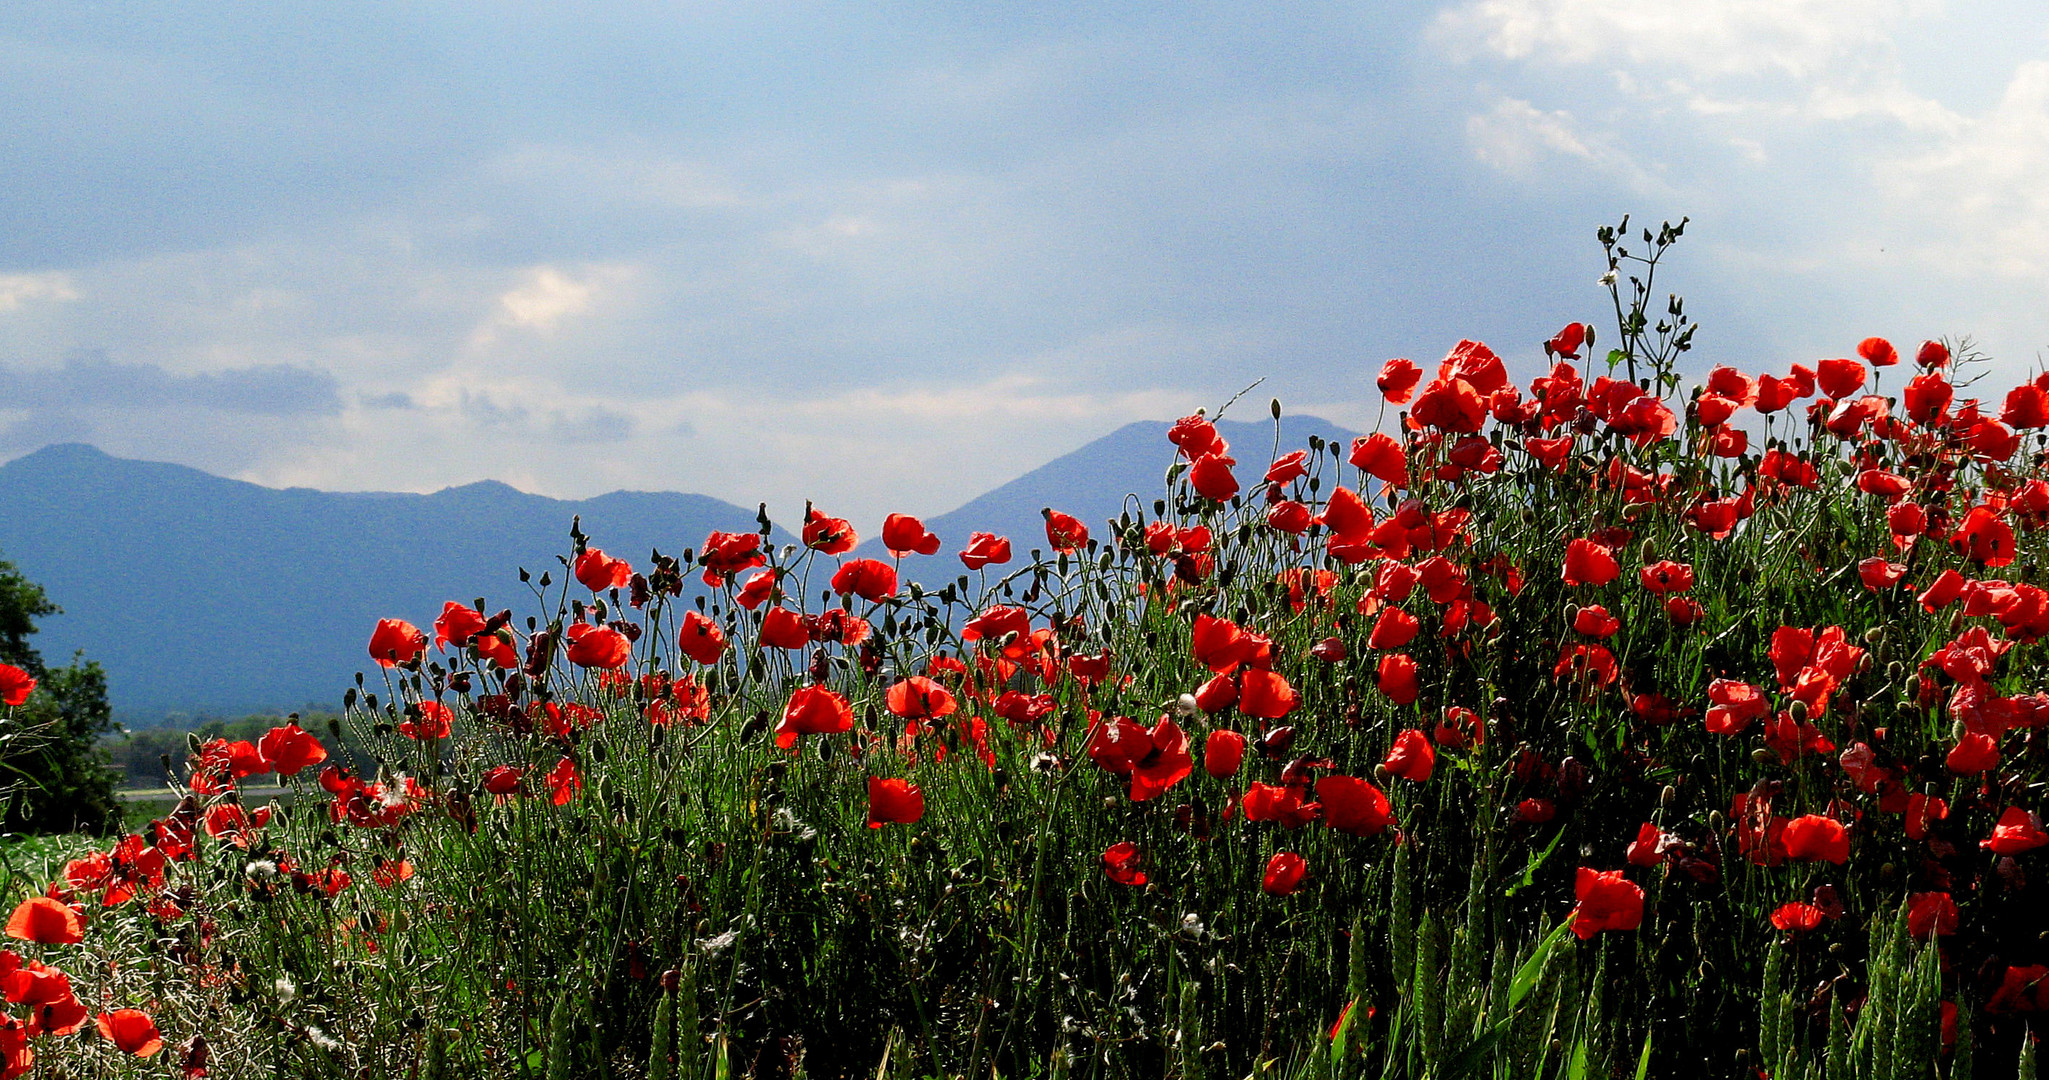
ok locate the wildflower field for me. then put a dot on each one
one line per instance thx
(1587, 725)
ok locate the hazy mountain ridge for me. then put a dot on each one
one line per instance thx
(205, 595)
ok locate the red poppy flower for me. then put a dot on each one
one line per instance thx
(1397, 380)
(1454, 406)
(1567, 342)
(1878, 351)
(1394, 581)
(1774, 393)
(1594, 621)
(1839, 378)
(1353, 805)
(1196, 437)
(1607, 901)
(828, 535)
(813, 710)
(2021, 989)
(2027, 406)
(1167, 762)
(564, 782)
(919, 698)
(868, 579)
(394, 642)
(893, 801)
(1589, 662)
(725, 554)
(1926, 397)
(1923, 812)
(1667, 577)
(984, 549)
(45, 922)
(1589, 563)
(1931, 913)
(132, 1030)
(1279, 803)
(2017, 831)
(1288, 468)
(1218, 694)
(1973, 754)
(1984, 537)
(15, 685)
(291, 748)
(1266, 694)
(701, 639)
(1065, 533)
(1735, 705)
(1459, 727)
(1284, 874)
(598, 571)
(1398, 678)
(1817, 836)
(1223, 753)
(433, 722)
(1879, 575)
(1378, 455)
(1212, 479)
(503, 779)
(1411, 757)
(1649, 847)
(596, 646)
(1796, 917)
(1221, 646)
(782, 628)
(1120, 863)
(457, 625)
(903, 535)
(1289, 516)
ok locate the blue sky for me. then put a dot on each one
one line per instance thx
(889, 255)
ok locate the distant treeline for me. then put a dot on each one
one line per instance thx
(137, 757)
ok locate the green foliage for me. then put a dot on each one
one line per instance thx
(53, 775)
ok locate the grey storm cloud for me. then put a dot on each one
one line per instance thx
(92, 381)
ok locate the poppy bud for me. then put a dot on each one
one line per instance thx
(1761, 755)
(1275, 743)
(1668, 795)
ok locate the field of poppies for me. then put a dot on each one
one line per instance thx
(1588, 725)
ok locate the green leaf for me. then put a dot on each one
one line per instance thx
(1536, 860)
(1643, 1060)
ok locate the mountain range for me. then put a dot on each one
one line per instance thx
(205, 596)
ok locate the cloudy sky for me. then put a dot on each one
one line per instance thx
(888, 255)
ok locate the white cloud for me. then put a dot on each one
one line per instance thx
(19, 289)
(548, 297)
(1520, 139)
(1983, 192)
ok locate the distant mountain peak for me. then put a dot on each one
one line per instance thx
(64, 452)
